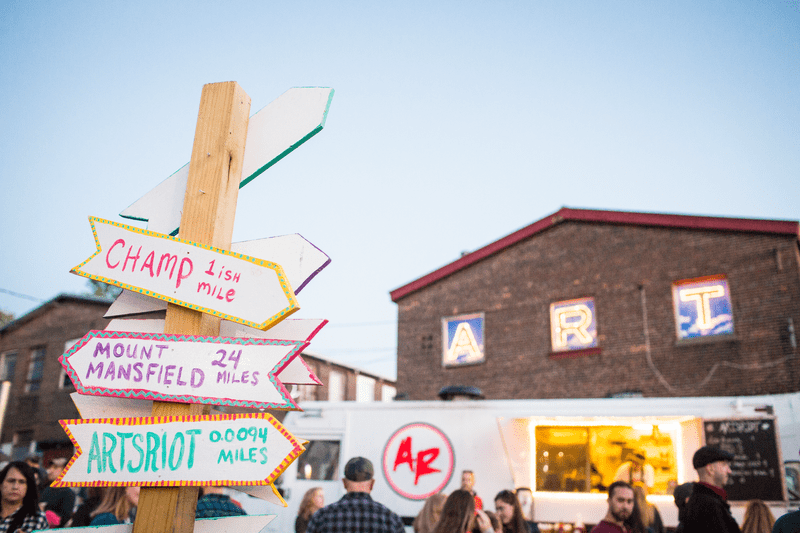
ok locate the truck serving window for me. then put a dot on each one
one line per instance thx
(590, 458)
(320, 462)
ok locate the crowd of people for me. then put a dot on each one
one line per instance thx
(28, 502)
(702, 507)
(459, 512)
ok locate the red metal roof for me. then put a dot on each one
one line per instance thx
(746, 225)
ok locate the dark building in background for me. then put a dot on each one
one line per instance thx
(588, 303)
(39, 388)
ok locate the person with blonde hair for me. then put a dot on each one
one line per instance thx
(651, 519)
(426, 520)
(118, 506)
(757, 518)
(313, 500)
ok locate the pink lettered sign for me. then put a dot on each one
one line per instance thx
(183, 368)
(233, 286)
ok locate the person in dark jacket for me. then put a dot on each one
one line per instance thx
(708, 510)
(681, 495)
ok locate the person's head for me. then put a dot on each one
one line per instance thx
(18, 488)
(55, 468)
(458, 513)
(509, 511)
(637, 457)
(119, 501)
(33, 461)
(682, 493)
(620, 501)
(494, 522)
(467, 480)
(431, 512)
(18, 485)
(313, 500)
(713, 465)
(757, 517)
(358, 475)
(497, 525)
(525, 499)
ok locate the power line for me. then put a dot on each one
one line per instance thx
(20, 295)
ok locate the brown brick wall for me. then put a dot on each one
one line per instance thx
(51, 327)
(617, 266)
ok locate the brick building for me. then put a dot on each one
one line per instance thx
(590, 303)
(343, 383)
(39, 388)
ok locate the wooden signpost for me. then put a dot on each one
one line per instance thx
(213, 280)
(179, 368)
(180, 446)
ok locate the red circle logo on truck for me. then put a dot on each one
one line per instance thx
(418, 461)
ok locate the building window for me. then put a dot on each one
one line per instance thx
(388, 393)
(8, 364)
(463, 340)
(589, 458)
(320, 461)
(573, 325)
(63, 381)
(306, 393)
(702, 308)
(35, 370)
(365, 389)
(335, 386)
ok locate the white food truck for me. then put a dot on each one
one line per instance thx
(566, 451)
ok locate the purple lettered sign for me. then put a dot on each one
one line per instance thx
(183, 368)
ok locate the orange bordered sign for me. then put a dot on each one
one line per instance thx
(243, 449)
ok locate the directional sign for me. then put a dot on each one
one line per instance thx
(233, 286)
(272, 133)
(300, 259)
(182, 368)
(247, 449)
(227, 524)
(296, 372)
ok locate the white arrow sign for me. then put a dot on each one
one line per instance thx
(231, 450)
(300, 260)
(233, 286)
(272, 133)
(182, 368)
(227, 524)
(297, 372)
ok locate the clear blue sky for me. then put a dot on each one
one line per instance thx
(453, 124)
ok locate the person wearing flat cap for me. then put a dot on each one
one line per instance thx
(356, 512)
(707, 510)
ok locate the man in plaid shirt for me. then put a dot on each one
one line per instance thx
(356, 512)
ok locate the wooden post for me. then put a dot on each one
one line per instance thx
(208, 213)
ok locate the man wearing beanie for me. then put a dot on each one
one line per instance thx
(707, 510)
(356, 512)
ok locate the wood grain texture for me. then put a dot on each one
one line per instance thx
(209, 210)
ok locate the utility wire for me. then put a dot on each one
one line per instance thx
(20, 295)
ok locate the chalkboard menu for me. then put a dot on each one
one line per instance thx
(756, 466)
